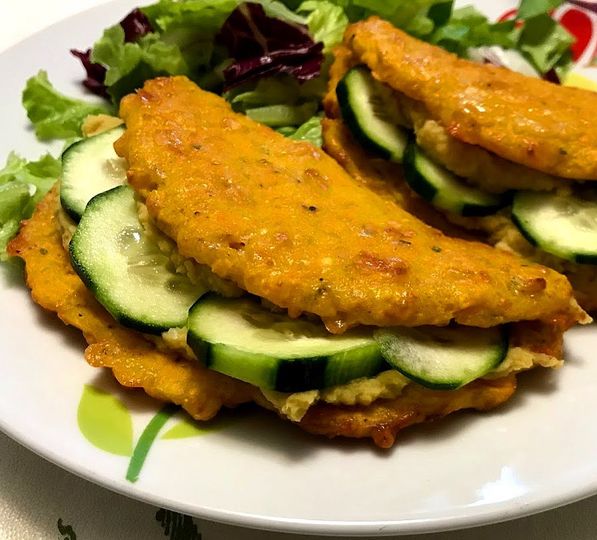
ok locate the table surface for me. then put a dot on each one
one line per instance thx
(40, 500)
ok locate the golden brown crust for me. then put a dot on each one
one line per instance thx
(386, 178)
(385, 418)
(501, 232)
(480, 167)
(285, 222)
(136, 362)
(522, 119)
(381, 176)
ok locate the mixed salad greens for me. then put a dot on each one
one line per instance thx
(268, 58)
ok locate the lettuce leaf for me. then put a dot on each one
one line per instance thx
(54, 115)
(545, 43)
(468, 27)
(268, 91)
(182, 38)
(531, 8)
(192, 25)
(118, 57)
(277, 116)
(326, 21)
(22, 185)
(309, 131)
(13, 198)
(541, 39)
(417, 17)
(131, 63)
(181, 42)
(135, 25)
(277, 100)
(206, 16)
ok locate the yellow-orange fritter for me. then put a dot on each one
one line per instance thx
(480, 167)
(137, 363)
(284, 221)
(522, 119)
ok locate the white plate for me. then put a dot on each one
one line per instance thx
(535, 453)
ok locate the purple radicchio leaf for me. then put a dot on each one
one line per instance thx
(96, 73)
(552, 76)
(263, 46)
(135, 26)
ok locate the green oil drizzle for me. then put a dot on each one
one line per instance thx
(146, 440)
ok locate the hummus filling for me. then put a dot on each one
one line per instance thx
(390, 384)
(387, 385)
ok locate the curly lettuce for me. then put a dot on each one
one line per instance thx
(54, 115)
(129, 64)
(22, 185)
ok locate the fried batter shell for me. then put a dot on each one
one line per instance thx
(386, 178)
(383, 419)
(525, 120)
(285, 222)
(134, 361)
(380, 175)
(466, 160)
(500, 231)
(471, 162)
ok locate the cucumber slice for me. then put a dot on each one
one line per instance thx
(242, 339)
(125, 269)
(364, 104)
(445, 190)
(443, 358)
(563, 225)
(89, 167)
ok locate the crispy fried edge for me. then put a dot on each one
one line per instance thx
(387, 179)
(383, 419)
(136, 362)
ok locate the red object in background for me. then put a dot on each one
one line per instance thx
(509, 15)
(580, 25)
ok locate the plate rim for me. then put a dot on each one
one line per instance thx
(512, 509)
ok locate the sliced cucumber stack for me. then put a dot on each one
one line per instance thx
(242, 339)
(446, 190)
(364, 103)
(89, 167)
(443, 358)
(125, 269)
(563, 225)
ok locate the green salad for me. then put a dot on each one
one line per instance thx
(268, 58)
